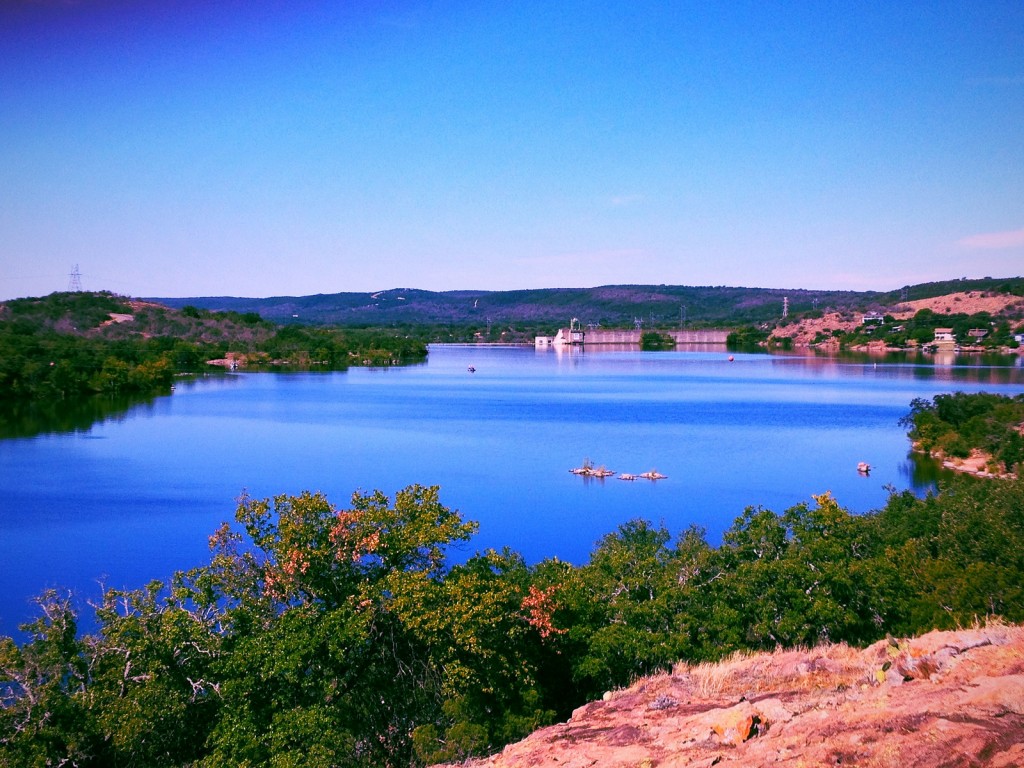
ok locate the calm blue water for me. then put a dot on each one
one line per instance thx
(135, 498)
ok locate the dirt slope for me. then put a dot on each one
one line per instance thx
(954, 303)
(944, 699)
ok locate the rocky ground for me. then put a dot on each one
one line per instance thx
(947, 699)
(978, 462)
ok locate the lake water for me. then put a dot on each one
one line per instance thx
(134, 498)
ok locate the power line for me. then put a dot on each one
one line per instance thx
(75, 281)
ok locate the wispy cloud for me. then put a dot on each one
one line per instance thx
(993, 240)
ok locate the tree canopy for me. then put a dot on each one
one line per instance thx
(69, 347)
(956, 424)
(325, 635)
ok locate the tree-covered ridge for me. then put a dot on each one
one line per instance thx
(69, 345)
(957, 424)
(543, 310)
(322, 635)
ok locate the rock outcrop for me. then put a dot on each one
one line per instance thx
(945, 699)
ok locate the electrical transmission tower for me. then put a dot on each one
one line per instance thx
(75, 280)
(785, 306)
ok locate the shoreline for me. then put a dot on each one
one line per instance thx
(977, 464)
(880, 347)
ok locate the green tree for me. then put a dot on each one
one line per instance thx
(44, 718)
(321, 656)
(623, 599)
(151, 690)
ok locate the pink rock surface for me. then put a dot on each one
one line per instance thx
(946, 699)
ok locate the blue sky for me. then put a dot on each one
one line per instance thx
(237, 147)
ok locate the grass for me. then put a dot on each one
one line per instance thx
(800, 669)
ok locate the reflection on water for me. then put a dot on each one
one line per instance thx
(22, 419)
(729, 429)
(922, 472)
(942, 366)
(46, 417)
(66, 416)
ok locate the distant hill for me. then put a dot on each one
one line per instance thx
(608, 306)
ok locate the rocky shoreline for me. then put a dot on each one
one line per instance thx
(979, 463)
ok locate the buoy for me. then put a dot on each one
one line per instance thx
(731, 358)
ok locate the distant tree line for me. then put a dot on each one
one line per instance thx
(321, 635)
(610, 306)
(70, 345)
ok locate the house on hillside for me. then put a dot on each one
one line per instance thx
(872, 318)
(944, 336)
(977, 334)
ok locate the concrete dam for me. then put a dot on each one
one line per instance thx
(597, 337)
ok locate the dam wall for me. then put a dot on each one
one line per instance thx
(599, 337)
(697, 337)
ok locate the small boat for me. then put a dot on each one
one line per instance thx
(863, 467)
(627, 476)
(471, 369)
(653, 475)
